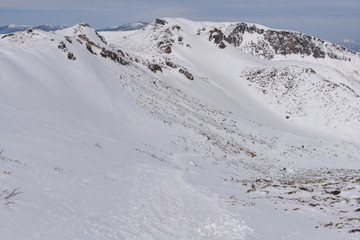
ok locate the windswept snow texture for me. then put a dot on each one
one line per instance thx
(175, 131)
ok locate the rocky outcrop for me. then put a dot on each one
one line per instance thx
(71, 56)
(101, 37)
(8, 35)
(114, 56)
(89, 48)
(170, 64)
(160, 21)
(165, 46)
(285, 43)
(267, 43)
(186, 74)
(236, 35)
(218, 37)
(154, 68)
(62, 47)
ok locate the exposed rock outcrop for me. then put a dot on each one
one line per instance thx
(154, 68)
(268, 43)
(218, 37)
(186, 74)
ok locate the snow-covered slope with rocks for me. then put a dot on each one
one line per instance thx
(171, 132)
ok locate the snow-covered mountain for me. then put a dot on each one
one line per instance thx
(13, 28)
(181, 130)
(350, 44)
(48, 28)
(20, 28)
(126, 27)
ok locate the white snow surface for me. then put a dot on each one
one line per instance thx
(97, 148)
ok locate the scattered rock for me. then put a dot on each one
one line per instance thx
(101, 37)
(71, 56)
(8, 35)
(305, 189)
(67, 38)
(313, 205)
(218, 37)
(154, 68)
(62, 46)
(170, 64)
(176, 27)
(329, 224)
(165, 46)
(84, 25)
(186, 74)
(251, 154)
(88, 47)
(336, 192)
(113, 56)
(168, 49)
(180, 39)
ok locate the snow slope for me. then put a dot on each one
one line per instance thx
(232, 70)
(161, 134)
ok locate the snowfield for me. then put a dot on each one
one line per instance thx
(179, 130)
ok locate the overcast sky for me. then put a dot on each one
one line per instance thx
(327, 19)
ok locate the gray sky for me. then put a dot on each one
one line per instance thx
(327, 19)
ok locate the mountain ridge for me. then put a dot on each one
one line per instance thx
(125, 27)
(350, 44)
(165, 133)
(12, 28)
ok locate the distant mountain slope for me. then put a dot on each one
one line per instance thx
(48, 28)
(350, 44)
(13, 28)
(19, 28)
(126, 27)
